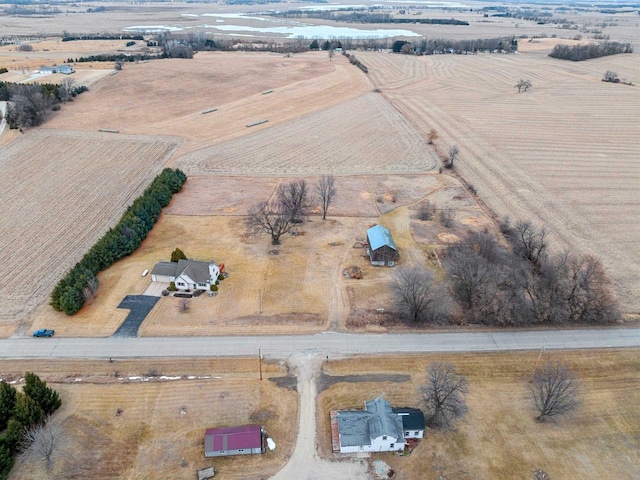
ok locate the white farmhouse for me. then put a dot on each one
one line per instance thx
(374, 429)
(186, 274)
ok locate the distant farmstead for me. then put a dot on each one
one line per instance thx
(381, 248)
(65, 69)
(187, 274)
(244, 440)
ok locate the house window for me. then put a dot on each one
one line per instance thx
(202, 284)
(406, 434)
(384, 437)
(180, 284)
(241, 450)
(392, 445)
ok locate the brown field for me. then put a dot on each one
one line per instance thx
(365, 135)
(150, 98)
(151, 433)
(499, 437)
(563, 154)
(60, 192)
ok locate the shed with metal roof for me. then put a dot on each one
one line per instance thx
(243, 440)
(381, 249)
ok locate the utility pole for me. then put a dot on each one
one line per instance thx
(260, 361)
(259, 301)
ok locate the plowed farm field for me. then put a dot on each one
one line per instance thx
(60, 191)
(169, 96)
(564, 154)
(365, 135)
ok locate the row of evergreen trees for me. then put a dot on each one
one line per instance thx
(79, 284)
(20, 411)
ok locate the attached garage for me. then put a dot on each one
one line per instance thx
(164, 272)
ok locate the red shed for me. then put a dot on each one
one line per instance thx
(244, 440)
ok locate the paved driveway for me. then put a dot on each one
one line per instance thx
(139, 306)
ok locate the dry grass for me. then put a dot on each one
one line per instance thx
(499, 438)
(312, 261)
(150, 433)
(61, 192)
(568, 159)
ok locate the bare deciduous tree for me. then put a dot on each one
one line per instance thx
(426, 210)
(332, 54)
(444, 395)
(269, 217)
(555, 392)
(43, 440)
(432, 136)
(523, 85)
(416, 298)
(446, 216)
(452, 156)
(610, 76)
(66, 89)
(529, 241)
(293, 197)
(326, 191)
(117, 65)
(183, 305)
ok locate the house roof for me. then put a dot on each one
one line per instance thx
(165, 268)
(233, 438)
(379, 236)
(196, 271)
(360, 427)
(412, 418)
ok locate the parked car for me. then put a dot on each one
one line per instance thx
(43, 332)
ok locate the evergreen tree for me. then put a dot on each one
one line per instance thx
(7, 402)
(26, 411)
(314, 45)
(6, 461)
(177, 255)
(13, 435)
(46, 397)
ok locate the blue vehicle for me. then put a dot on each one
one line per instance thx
(43, 332)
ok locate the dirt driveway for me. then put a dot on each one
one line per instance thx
(305, 464)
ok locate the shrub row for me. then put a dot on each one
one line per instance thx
(354, 61)
(122, 240)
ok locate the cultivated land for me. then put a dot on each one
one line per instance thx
(150, 433)
(563, 154)
(60, 192)
(499, 437)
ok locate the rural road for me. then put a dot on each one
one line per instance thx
(327, 343)
(305, 354)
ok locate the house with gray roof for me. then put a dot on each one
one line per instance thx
(381, 248)
(187, 274)
(374, 429)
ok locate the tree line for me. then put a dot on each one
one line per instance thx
(578, 53)
(31, 103)
(70, 38)
(489, 284)
(80, 283)
(364, 17)
(22, 414)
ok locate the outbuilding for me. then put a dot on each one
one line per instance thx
(381, 248)
(225, 441)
